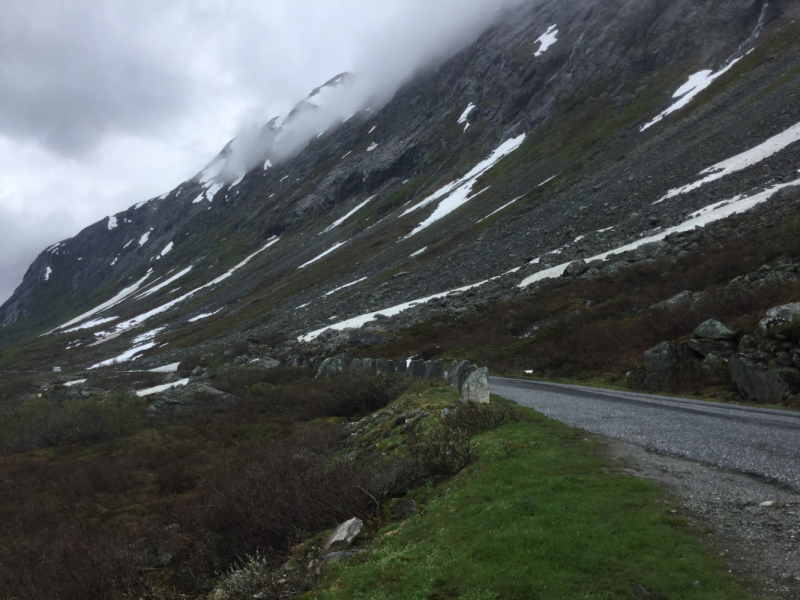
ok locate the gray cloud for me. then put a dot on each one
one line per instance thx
(107, 103)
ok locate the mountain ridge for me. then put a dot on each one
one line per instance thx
(583, 166)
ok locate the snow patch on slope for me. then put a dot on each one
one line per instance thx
(700, 218)
(709, 214)
(739, 162)
(112, 223)
(336, 246)
(138, 320)
(465, 114)
(547, 39)
(108, 304)
(163, 284)
(348, 215)
(687, 92)
(346, 285)
(458, 192)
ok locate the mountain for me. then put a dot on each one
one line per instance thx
(566, 131)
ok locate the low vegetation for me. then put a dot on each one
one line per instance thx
(176, 506)
(539, 514)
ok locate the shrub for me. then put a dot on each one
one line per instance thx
(475, 418)
(442, 451)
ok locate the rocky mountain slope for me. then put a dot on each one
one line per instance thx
(567, 131)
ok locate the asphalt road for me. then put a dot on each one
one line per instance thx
(755, 441)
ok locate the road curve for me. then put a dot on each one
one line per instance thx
(756, 441)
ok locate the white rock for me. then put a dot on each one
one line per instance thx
(344, 535)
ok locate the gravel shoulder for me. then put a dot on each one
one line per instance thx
(753, 524)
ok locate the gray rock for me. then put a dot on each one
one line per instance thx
(759, 382)
(382, 366)
(368, 365)
(476, 387)
(657, 363)
(323, 368)
(684, 298)
(713, 361)
(452, 374)
(344, 535)
(197, 371)
(706, 347)
(434, 369)
(714, 330)
(748, 344)
(575, 268)
(779, 316)
(651, 250)
(355, 364)
(265, 363)
(340, 363)
(361, 338)
(417, 368)
(460, 373)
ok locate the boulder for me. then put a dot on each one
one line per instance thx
(382, 366)
(650, 250)
(451, 374)
(362, 338)
(343, 536)
(340, 364)
(682, 299)
(459, 374)
(760, 382)
(706, 347)
(335, 365)
(264, 363)
(368, 365)
(355, 364)
(476, 386)
(575, 268)
(657, 363)
(779, 316)
(434, 369)
(714, 330)
(417, 368)
(323, 367)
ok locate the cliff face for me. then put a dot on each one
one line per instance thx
(565, 131)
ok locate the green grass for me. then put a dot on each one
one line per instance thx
(541, 514)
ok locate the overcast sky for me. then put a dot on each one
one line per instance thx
(106, 103)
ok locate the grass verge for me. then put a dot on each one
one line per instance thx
(540, 514)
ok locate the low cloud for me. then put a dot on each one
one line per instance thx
(107, 103)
